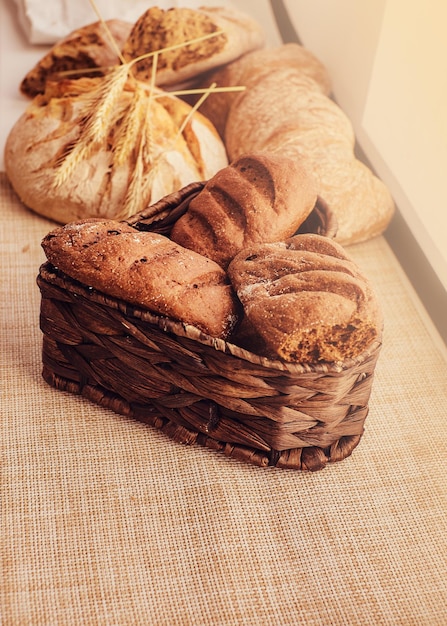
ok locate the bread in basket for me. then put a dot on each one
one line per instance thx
(197, 388)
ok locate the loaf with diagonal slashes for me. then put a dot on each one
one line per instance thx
(304, 301)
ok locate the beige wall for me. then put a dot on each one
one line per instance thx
(388, 61)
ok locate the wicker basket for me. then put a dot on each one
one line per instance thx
(195, 388)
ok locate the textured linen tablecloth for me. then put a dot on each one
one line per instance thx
(107, 521)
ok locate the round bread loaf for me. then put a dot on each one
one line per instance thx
(101, 148)
(305, 300)
(259, 197)
(147, 270)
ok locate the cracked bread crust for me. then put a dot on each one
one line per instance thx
(98, 185)
(305, 301)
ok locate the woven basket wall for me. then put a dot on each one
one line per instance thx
(193, 387)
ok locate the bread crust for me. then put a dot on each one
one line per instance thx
(235, 34)
(147, 270)
(283, 113)
(305, 300)
(98, 185)
(84, 48)
(251, 68)
(260, 197)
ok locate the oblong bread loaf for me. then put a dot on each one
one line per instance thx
(259, 197)
(236, 33)
(87, 47)
(145, 269)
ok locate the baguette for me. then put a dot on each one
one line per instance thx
(147, 270)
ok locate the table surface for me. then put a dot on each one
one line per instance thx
(107, 521)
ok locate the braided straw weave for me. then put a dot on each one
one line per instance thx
(195, 388)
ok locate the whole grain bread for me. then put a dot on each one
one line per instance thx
(145, 269)
(233, 33)
(85, 48)
(259, 197)
(304, 301)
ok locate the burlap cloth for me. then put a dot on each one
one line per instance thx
(107, 521)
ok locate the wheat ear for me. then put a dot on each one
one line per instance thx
(96, 124)
(126, 137)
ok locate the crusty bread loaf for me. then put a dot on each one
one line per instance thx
(140, 152)
(260, 197)
(282, 112)
(251, 67)
(306, 300)
(236, 34)
(91, 47)
(147, 270)
(86, 47)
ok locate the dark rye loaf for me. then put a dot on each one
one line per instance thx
(260, 197)
(147, 270)
(305, 301)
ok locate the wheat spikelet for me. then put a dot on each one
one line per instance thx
(138, 192)
(126, 137)
(139, 188)
(74, 153)
(102, 117)
(134, 200)
(96, 120)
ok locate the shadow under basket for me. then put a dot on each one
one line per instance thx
(193, 387)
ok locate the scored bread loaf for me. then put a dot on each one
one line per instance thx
(145, 269)
(283, 112)
(248, 69)
(259, 197)
(235, 34)
(86, 47)
(305, 300)
(84, 149)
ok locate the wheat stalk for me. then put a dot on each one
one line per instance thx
(107, 30)
(128, 126)
(97, 117)
(146, 164)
